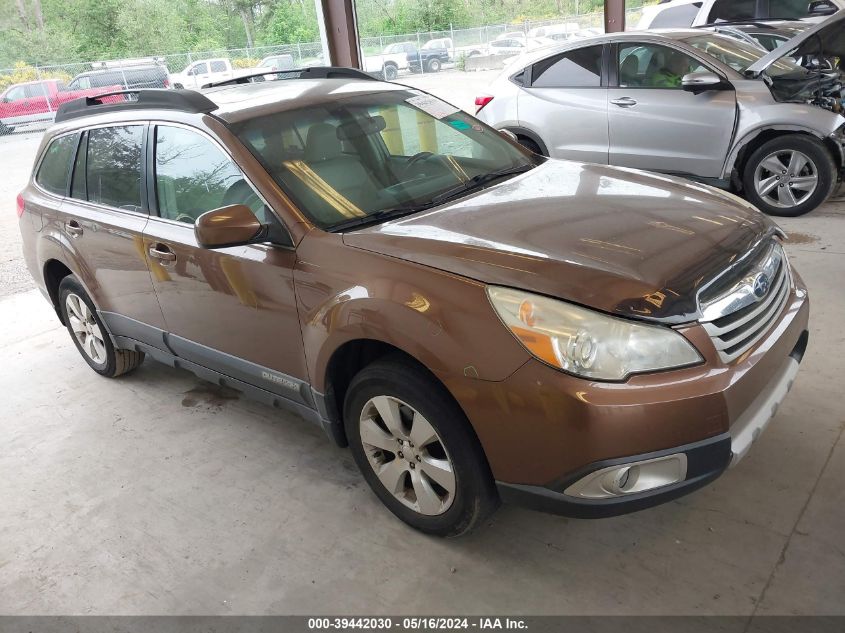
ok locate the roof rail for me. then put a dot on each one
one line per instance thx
(161, 99)
(310, 72)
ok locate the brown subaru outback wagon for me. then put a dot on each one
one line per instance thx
(476, 322)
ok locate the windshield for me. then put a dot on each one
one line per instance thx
(365, 155)
(739, 55)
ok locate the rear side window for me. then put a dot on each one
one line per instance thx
(218, 67)
(681, 16)
(732, 10)
(580, 68)
(113, 170)
(55, 167)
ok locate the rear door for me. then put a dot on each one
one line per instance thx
(103, 220)
(654, 124)
(230, 309)
(565, 102)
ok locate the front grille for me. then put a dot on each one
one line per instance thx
(738, 318)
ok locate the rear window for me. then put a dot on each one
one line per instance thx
(55, 167)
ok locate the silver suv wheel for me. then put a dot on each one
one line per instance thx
(85, 329)
(407, 455)
(786, 178)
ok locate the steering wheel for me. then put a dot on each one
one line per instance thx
(413, 160)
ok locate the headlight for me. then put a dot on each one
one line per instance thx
(588, 343)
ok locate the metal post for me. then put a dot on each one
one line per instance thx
(614, 16)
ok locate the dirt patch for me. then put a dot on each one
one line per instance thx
(209, 396)
(800, 238)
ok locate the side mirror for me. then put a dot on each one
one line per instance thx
(821, 7)
(702, 81)
(233, 225)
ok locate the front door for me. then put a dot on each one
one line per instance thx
(232, 309)
(565, 102)
(655, 124)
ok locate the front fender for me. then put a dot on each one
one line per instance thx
(443, 320)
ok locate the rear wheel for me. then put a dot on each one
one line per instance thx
(789, 176)
(416, 449)
(528, 144)
(434, 65)
(89, 333)
(6, 129)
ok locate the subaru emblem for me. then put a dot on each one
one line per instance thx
(761, 285)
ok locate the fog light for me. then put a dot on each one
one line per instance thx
(631, 478)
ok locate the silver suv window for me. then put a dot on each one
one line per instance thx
(580, 68)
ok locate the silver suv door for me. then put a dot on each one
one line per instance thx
(565, 101)
(655, 124)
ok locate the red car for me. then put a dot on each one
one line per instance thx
(37, 101)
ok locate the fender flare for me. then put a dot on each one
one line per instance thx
(740, 145)
(530, 134)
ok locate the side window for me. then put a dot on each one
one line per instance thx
(680, 16)
(55, 167)
(218, 66)
(16, 94)
(35, 90)
(199, 69)
(654, 66)
(580, 68)
(77, 185)
(113, 171)
(193, 176)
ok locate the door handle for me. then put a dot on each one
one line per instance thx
(624, 102)
(161, 252)
(73, 228)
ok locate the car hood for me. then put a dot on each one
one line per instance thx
(619, 240)
(831, 34)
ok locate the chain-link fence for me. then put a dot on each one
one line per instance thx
(30, 95)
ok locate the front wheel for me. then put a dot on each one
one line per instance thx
(417, 450)
(89, 333)
(390, 72)
(789, 176)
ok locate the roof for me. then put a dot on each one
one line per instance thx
(244, 101)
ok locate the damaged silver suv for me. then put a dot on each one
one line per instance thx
(692, 103)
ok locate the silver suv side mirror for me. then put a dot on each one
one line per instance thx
(701, 81)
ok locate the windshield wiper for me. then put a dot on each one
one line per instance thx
(477, 181)
(377, 217)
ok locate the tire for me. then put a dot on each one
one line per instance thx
(6, 129)
(763, 186)
(434, 65)
(530, 145)
(84, 325)
(390, 72)
(451, 451)
(178, 87)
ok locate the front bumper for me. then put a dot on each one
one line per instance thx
(545, 430)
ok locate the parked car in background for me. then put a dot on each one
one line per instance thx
(282, 61)
(477, 323)
(768, 34)
(517, 45)
(556, 32)
(692, 103)
(207, 71)
(685, 13)
(386, 65)
(127, 77)
(428, 60)
(37, 101)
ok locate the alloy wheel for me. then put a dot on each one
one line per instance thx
(407, 455)
(786, 178)
(85, 328)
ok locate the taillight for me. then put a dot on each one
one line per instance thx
(166, 82)
(482, 101)
(21, 206)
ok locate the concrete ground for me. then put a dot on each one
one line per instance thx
(158, 493)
